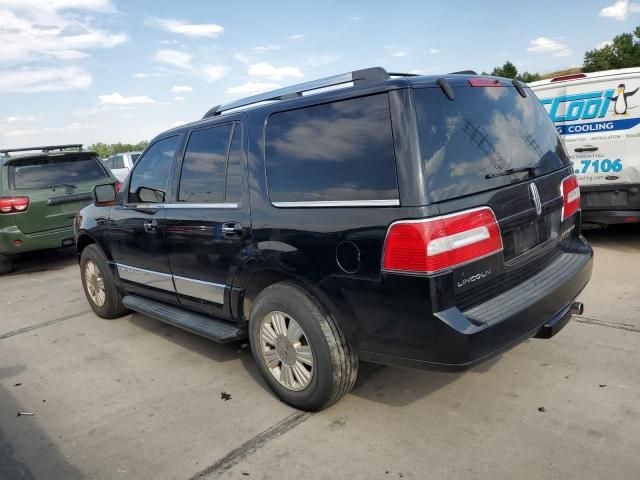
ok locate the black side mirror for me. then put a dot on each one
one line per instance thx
(104, 195)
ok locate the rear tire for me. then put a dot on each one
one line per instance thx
(99, 285)
(6, 264)
(299, 349)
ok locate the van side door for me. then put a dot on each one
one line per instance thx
(208, 225)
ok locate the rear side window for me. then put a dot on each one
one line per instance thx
(342, 151)
(150, 179)
(43, 172)
(204, 166)
(483, 132)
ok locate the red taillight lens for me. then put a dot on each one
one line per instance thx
(13, 204)
(118, 186)
(435, 244)
(571, 195)
(484, 82)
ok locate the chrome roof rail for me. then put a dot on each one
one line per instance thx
(358, 77)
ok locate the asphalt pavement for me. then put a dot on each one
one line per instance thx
(134, 398)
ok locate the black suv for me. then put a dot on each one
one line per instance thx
(420, 221)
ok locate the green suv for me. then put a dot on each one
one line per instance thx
(41, 189)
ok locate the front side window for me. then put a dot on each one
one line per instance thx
(207, 166)
(341, 151)
(150, 179)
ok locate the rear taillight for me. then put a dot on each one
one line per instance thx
(118, 186)
(571, 196)
(13, 204)
(440, 243)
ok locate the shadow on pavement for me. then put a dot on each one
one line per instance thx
(399, 387)
(617, 237)
(207, 348)
(42, 261)
(18, 433)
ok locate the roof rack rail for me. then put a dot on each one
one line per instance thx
(358, 77)
(400, 74)
(45, 148)
(464, 72)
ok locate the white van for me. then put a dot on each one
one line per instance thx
(598, 116)
(121, 164)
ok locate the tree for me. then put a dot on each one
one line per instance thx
(622, 52)
(104, 150)
(527, 77)
(509, 70)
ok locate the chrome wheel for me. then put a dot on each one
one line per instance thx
(286, 351)
(95, 283)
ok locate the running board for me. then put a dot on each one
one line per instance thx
(212, 328)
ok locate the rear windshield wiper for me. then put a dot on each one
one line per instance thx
(53, 186)
(509, 171)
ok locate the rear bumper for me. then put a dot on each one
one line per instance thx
(611, 217)
(611, 204)
(57, 238)
(540, 306)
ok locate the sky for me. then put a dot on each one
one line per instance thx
(83, 71)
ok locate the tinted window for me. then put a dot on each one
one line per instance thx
(234, 167)
(134, 157)
(118, 161)
(484, 131)
(149, 181)
(204, 166)
(339, 151)
(40, 173)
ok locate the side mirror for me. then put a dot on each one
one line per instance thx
(104, 195)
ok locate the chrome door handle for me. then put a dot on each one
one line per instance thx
(150, 226)
(231, 228)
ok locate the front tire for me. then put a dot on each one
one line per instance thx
(99, 285)
(300, 351)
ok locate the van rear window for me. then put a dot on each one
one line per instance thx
(43, 172)
(341, 151)
(483, 132)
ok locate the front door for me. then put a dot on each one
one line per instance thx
(137, 227)
(208, 224)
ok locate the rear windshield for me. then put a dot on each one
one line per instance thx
(43, 172)
(483, 132)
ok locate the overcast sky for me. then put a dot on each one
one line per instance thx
(111, 70)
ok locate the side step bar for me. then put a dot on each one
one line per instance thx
(212, 328)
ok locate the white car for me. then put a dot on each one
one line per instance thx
(120, 164)
(598, 117)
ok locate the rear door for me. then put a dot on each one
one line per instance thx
(208, 225)
(58, 185)
(137, 227)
